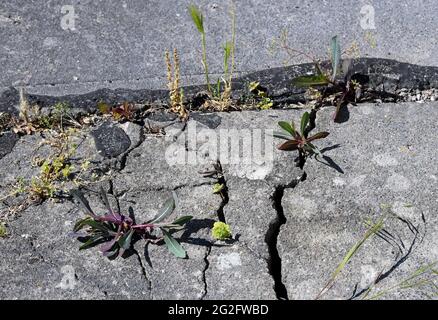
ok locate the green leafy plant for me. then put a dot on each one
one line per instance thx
(220, 187)
(264, 102)
(3, 230)
(57, 172)
(337, 89)
(116, 232)
(298, 140)
(221, 231)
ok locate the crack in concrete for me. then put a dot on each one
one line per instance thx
(225, 198)
(124, 156)
(271, 237)
(144, 273)
(121, 193)
(204, 272)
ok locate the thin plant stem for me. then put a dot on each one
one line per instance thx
(204, 60)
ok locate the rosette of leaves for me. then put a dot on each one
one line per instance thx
(298, 140)
(115, 232)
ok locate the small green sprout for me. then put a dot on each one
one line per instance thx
(3, 231)
(265, 102)
(218, 187)
(298, 140)
(221, 231)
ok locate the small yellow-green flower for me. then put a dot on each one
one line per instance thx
(218, 187)
(221, 231)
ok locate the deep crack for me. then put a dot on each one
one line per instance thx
(224, 195)
(124, 156)
(271, 238)
(204, 278)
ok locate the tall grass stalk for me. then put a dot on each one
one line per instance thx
(374, 229)
(198, 20)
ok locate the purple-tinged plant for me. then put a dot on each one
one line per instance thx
(299, 140)
(116, 232)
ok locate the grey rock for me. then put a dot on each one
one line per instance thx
(211, 120)
(162, 116)
(7, 143)
(111, 141)
(18, 163)
(250, 212)
(384, 154)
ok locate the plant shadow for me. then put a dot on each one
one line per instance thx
(343, 114)
(402, 255)
(328, 160)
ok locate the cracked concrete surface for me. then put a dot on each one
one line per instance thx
(291, 226)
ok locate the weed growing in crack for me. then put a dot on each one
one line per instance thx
(220, 187)
(56, 172)
(334, 85)
(31, 119)
(216, 173)
(264, 102)
(221, 231)
(423, 277)
(57, 169)
(298, 140)
(123, 112)
(173, 83)
(116, 232)
(220, 94)
(3, 230)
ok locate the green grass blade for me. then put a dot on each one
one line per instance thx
(197, 17)
(371, 231)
